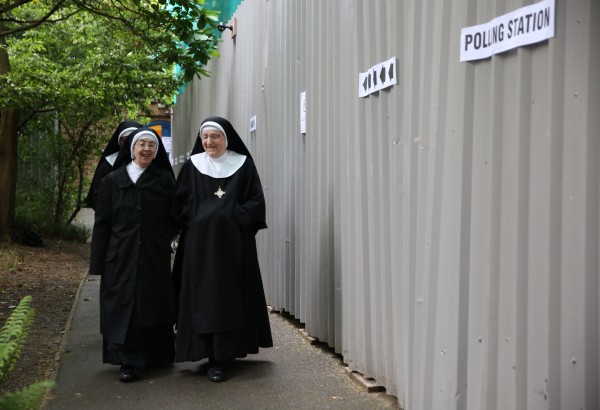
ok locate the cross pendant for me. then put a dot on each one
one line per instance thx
(220, 192)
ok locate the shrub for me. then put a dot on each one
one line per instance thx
(71, 232)
(74, 231)
(12, 339)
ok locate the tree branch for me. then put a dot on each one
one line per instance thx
(11, 6)
(36, 23)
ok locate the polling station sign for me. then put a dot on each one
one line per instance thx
(527, 25)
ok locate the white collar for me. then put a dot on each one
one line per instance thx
(134, 171)
(112, 157)
(222, 167)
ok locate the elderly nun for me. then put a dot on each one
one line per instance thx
(220, 203)
(131, 252)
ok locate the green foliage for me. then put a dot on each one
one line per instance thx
(13, 335)
(12, 339)
(82, 66)
(86, 64)
(37, 174)
(74, 78)
(48, 179)
(28, 398)
(71, 232)
(101, 38)
(29, 219)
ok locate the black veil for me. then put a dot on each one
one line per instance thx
(161, 160)
(234, 141)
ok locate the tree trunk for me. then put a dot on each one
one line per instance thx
(9, 120)
(80, 174)
(59, 206)
(8, 168)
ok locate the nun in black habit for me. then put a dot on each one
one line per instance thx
(105, 165)
(219, 202)
(131, 252)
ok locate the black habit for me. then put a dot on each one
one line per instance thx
(131, 251)
(222, 308)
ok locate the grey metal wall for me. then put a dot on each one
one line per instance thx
(443, 234)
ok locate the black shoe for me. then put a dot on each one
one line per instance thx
(215, 373)
(127, 374)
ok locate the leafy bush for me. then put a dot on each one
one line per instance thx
(47, 182)
(13, 335)
(72, 232)
(12, 339)
(29, 397)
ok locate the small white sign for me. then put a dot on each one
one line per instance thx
(253, 123)
(167, 143)
(303, 112)
(378, 77)
(527, 25)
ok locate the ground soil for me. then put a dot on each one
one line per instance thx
(52, 275)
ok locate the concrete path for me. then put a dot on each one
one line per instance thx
(294, 374)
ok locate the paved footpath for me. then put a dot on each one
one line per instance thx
(294, 374)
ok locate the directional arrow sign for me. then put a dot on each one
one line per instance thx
(378, 77)
(389, 72)
(362, 85)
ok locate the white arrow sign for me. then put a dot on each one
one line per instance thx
(378, 77)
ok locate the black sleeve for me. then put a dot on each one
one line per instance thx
(181, 197)
(102, 170)
(102, 227)
(251, 210)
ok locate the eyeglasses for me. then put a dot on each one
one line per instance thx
(144, 145)
(212, 137)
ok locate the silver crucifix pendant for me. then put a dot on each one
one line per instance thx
(220, 192)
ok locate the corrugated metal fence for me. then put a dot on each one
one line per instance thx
(441, 234)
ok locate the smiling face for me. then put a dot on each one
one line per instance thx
(213, 142)
(144, 151)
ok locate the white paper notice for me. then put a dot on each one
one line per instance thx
(527, 25)
(167, 143)
(378, 77)
(303, 112)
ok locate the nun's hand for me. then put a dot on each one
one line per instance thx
(174, 244)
